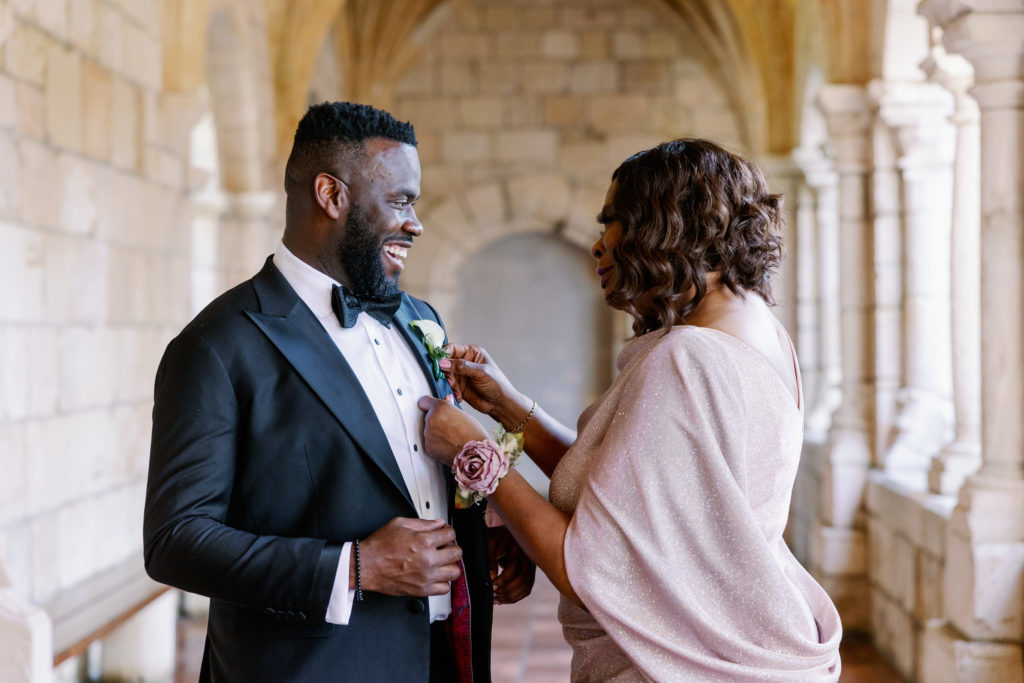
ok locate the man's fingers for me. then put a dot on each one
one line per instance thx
(450, 554)
(423, 525)
(426, 403)
(441, 536)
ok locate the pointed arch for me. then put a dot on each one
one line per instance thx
(183, 33)
(374, 42)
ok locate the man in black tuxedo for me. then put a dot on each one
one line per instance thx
(288, 479)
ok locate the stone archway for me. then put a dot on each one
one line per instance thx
(460, 225)
(507, 265)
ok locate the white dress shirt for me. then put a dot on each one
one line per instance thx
(393, 381)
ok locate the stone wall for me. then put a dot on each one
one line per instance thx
(111, 237)
(524, 109)
(906, 531)
(94, 252)
(94, 265)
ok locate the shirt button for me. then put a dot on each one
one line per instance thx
(377, 342)
(400, 392)
(428, 504)
(415, 448)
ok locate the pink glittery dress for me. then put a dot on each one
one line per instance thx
(679, 486)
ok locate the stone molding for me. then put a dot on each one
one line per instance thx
(27, 637)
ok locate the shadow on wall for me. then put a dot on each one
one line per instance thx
(534, 302)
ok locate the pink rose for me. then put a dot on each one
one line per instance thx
(479, 466)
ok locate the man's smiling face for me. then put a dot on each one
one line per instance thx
(381, 221)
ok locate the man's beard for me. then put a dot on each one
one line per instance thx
(360, 257)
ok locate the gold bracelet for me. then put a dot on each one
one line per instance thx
(522, 425)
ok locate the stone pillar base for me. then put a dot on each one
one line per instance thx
(948, 657)
(142, 649)
(26, 639)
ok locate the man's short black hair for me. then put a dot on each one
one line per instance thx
(331, 134)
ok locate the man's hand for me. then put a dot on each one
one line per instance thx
(446, 429)
(512, 572)
(408, 557)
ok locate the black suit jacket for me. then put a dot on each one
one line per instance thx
(266, 457)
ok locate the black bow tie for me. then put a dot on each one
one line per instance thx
(347, 306)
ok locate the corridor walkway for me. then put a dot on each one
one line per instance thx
(528, 646)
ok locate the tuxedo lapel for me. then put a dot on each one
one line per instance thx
(298, 335)
(439, 387)
(405, 315)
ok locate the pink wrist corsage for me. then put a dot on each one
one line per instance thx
(478, 468)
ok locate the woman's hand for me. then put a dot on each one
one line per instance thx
(477, 379)
(446, 429)
(512, 572)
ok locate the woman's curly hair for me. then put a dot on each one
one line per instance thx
(688, 207)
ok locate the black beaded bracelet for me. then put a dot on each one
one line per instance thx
(359, 578)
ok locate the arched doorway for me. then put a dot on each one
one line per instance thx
(533, 301)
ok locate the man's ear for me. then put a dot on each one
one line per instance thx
(331, 194)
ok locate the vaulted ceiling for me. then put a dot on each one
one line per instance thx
(757, 49)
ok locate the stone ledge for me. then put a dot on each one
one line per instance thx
(95, 607)
(918, 515)
(948, 657)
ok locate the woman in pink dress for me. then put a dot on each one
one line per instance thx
(664, 528)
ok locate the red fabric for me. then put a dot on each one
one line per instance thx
(458, 629)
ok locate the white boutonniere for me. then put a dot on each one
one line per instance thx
(432, 336)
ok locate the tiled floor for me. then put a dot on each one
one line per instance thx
(528, 646)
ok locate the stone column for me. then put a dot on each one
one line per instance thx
(962, 456)
(984, 572)
(248, 233)
(838, 557)
(917, 115)
(818, 264)
(26, 638)
(784, 178)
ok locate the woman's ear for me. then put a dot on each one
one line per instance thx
(331, 194)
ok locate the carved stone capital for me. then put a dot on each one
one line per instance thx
(989, 33)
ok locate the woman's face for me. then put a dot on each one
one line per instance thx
(604, 247)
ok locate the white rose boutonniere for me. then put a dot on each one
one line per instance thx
(432, 336)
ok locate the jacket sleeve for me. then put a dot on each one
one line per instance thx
(193, 459)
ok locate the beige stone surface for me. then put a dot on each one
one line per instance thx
(523, 111)
(142, 62)
(593, 76)
(25, 53)
(38, 170)
(109, 28)
(619, 113)
(52, 15)
(125, 122)
(560, 44)
(97, 111)
(895, 634)
(537, 146)
(64, 97)
(6, 23)
(545, 77)
(82, 25)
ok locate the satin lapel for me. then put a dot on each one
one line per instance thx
(299, 336)
(405, 315)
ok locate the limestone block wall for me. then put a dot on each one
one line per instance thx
(524, 108)
(906, 564)
(94, 269)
